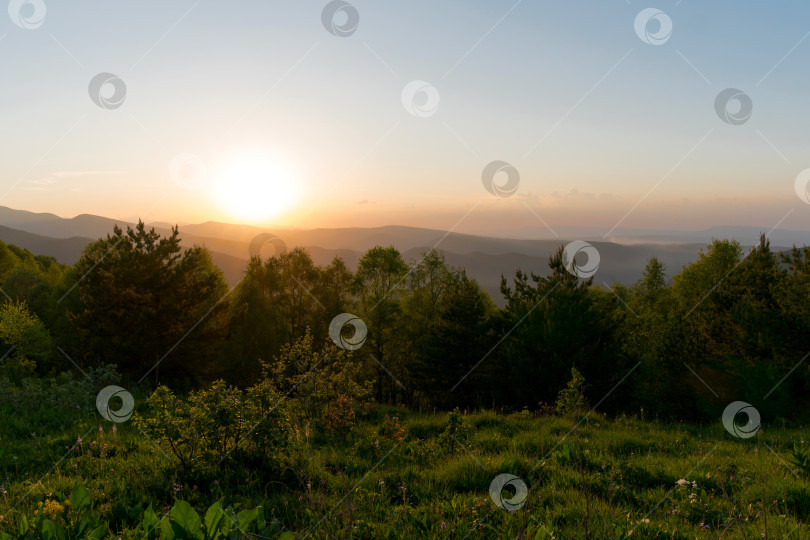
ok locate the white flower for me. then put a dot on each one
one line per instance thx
(682, 482)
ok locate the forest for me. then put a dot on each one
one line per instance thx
(140, 392)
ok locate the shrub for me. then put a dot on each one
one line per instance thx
(571, 399)
(391, 429)
(339, 416)
(455, 432)
(217, 423)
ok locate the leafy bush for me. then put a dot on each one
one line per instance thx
(216, 423)
(316, 377)
(800, 458)
(571, 399)
(339, 416)
(455, 432)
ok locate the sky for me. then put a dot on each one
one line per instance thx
(275, 113)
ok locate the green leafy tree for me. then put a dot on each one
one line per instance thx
(25, 340)
(147, 305)
(457, 342)
(379, 282)
(557, 324)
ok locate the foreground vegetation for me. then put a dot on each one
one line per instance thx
(391, 473)
(271, 411)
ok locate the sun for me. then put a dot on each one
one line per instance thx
(256, 189)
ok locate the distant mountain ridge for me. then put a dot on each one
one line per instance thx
(484, 258)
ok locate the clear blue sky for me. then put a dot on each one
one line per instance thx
(600, 124)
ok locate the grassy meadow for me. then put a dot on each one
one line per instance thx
(396, 473)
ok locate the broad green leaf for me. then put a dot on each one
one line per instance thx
(52, 531)
(166, 531)
(22, 526)
(213, 517)
(98, 533)
(79, 530)
(187, 519)
(260, 521)
(246, 517)
(79, 498)
(286, 536)
(48, 530)
(150, 521)
(4, 536)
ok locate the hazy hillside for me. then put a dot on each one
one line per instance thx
(484, 258)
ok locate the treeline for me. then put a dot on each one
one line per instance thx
(730, 326)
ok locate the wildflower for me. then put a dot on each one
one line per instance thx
(52, 508)
(101, 429)
(682, 482)
(444, 525)
(216, 482)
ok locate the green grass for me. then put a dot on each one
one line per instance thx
(611, 478)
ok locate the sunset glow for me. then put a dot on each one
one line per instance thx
(256, 189)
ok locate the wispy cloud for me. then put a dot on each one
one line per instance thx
(57, 177)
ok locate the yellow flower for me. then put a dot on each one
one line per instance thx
(52, 508)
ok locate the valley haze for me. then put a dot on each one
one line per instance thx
(485, 258)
